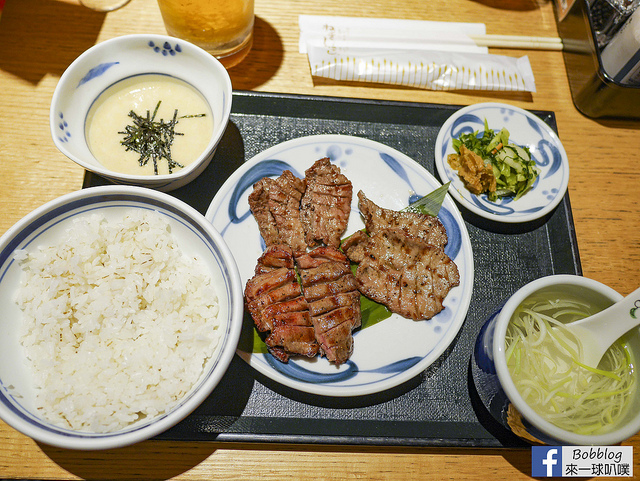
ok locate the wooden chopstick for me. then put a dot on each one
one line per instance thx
(516, 41)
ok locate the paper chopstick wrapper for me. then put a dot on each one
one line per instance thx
(423, 54)
(434, 70)
(383, 32)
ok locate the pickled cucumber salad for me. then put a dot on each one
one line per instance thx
(488, 163)
(542, 358)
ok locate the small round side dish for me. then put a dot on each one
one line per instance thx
(525, 129)
(125, 57)
(45, 226)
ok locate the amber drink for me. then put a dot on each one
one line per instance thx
(224, 28)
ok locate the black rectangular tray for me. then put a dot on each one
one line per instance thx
(437, 408)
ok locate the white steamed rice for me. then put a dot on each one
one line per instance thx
(118, 322)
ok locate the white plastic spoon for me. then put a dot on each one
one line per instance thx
(599, 331)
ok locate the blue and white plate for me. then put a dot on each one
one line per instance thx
(525, 129)
(389, 352)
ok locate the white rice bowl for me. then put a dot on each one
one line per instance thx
(92, 358)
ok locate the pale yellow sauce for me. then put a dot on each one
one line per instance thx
(110, 115)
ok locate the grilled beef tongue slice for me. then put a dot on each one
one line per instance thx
(274, 257)
(354, 246)
(334, 301)
(326, 204)
(273, 297)
(408, 275)
(421, 226)
(275, 204)
(259, 205)
(265, 290)
(293, 339)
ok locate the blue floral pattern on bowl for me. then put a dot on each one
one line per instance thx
(64, 134)
(96, 72)
(109, 62)
(166, 48)
(526, 129)
(390, 352)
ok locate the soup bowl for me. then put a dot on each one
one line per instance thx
(112, 61)
(497, 389)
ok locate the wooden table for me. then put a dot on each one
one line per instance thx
(40, 38)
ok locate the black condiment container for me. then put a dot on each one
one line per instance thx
(594, 92)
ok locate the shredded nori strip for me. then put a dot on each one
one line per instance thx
(151, 139)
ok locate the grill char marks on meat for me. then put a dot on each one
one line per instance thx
(421, 226)
(326, 204)
(292, 215)
(274, 299)
(330, 289)
(355, 246)
(259, 205)
(402, 263)
(276, 256)
(275, 204)
(404, 273)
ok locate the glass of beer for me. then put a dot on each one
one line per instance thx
(224, 28)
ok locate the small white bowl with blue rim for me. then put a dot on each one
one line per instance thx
(525, 129)
(194, 235)
(111, 61)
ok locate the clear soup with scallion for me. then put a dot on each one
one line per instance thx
(542, 358)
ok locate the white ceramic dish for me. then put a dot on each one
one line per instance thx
(525, 129)
(119, 58)
(498, 391)
(385, 354)
(42, 227)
